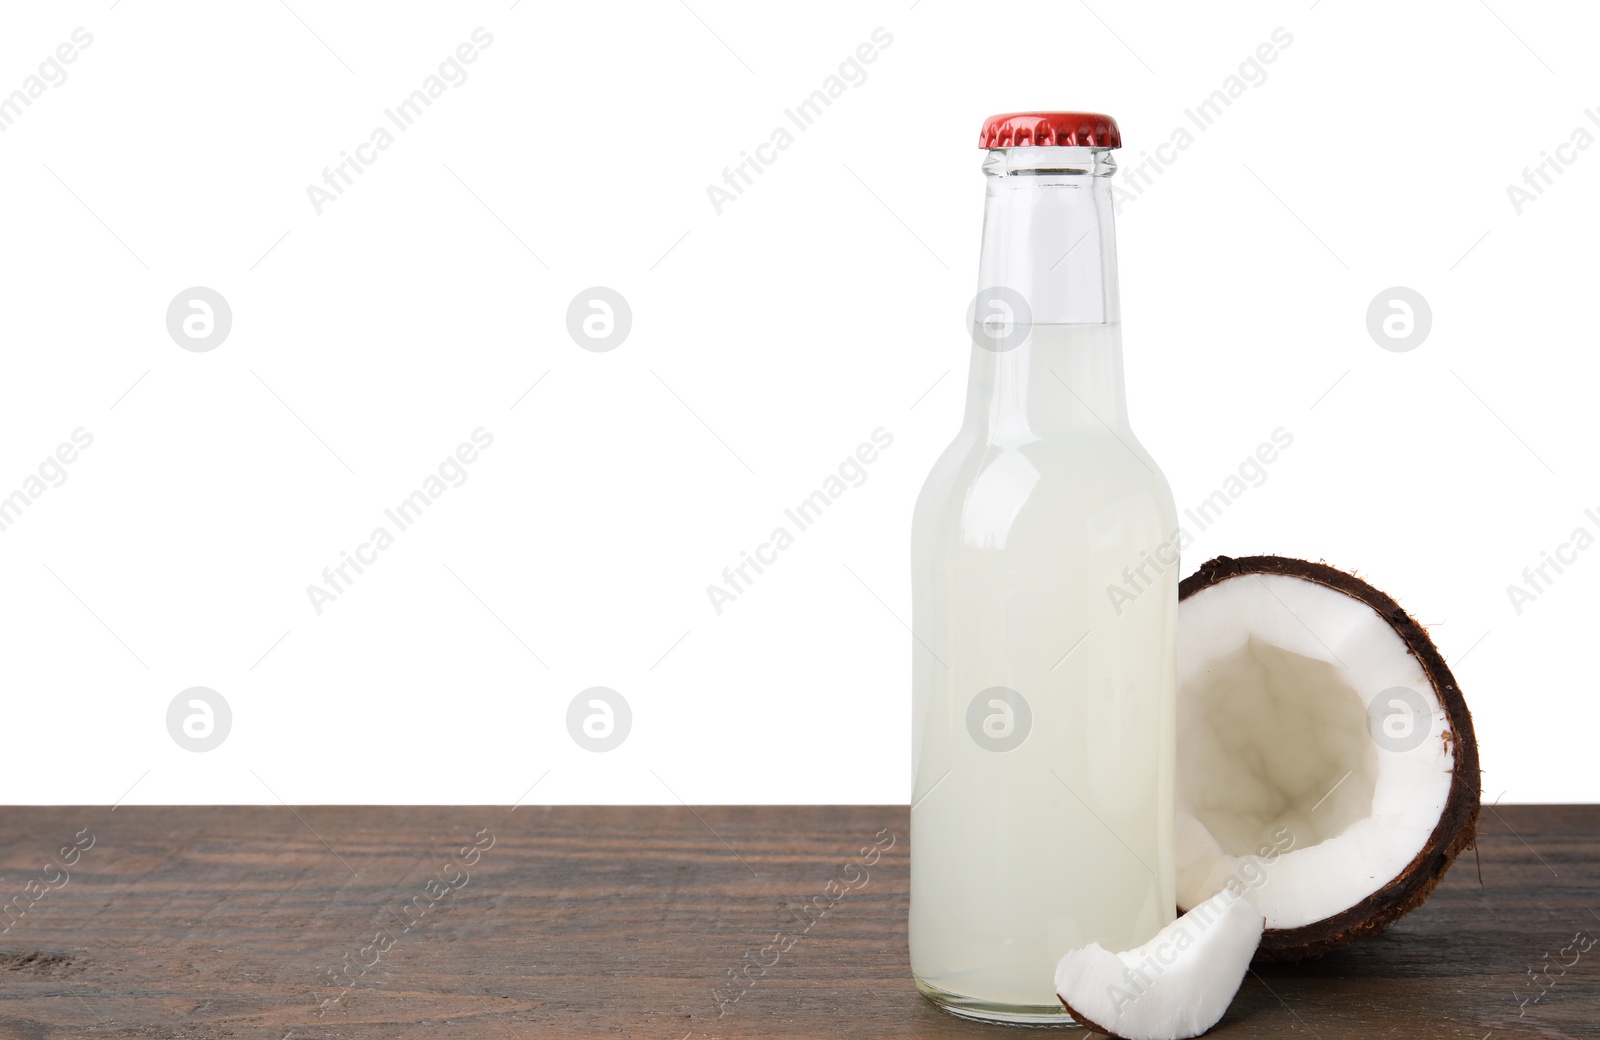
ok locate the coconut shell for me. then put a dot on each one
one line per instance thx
(1087, 1023)
(1457, 823)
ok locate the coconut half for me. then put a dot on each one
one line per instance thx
(1327, 767)
(1173, 987)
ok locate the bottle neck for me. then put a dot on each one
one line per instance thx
(1048, 233)
(1047, 352)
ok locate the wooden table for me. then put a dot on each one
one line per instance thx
(633, 922)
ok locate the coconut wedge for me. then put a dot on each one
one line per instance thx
(1173, 987)
(1327, 766)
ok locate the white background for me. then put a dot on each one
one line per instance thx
(767, 342)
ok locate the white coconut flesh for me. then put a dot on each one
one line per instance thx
(1173, 987)
(1290, 789)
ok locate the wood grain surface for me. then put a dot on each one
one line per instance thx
(661, 923)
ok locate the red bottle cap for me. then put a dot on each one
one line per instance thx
(1081, 129)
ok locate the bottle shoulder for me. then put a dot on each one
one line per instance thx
(984, 492)
(1108, 459)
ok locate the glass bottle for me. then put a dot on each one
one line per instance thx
(1044, 606)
